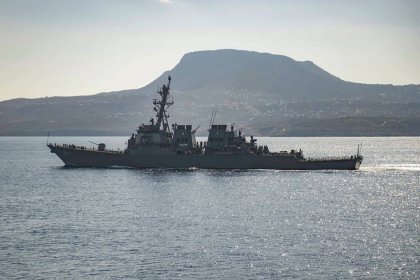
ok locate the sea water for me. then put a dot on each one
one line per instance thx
(60, 222)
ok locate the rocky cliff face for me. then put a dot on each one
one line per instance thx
(263, 93)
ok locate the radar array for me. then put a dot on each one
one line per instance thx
(162, 105)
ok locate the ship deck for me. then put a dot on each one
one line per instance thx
(84, 148)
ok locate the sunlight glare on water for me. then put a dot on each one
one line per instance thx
(122, 223)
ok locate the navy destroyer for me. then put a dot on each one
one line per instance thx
(159, 145)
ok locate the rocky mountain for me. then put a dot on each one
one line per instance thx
(265, 94)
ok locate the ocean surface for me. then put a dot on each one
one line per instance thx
(59, 223)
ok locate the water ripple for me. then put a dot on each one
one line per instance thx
(203, 224)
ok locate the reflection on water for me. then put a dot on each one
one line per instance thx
(125, 223)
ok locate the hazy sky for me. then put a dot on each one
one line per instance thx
(70, 47)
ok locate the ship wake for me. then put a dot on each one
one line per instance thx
(388, 167)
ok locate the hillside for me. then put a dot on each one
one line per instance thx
(263, 93)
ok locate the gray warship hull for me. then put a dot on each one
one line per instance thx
(75, 157)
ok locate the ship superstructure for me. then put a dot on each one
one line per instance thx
(159, 145)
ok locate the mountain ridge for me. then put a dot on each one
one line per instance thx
(248, 87)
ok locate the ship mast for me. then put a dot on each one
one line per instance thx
(161, 107)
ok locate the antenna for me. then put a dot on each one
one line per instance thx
(214, 115)
(48, 137)
(359, 149)
(161, 107)
(211, 118)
